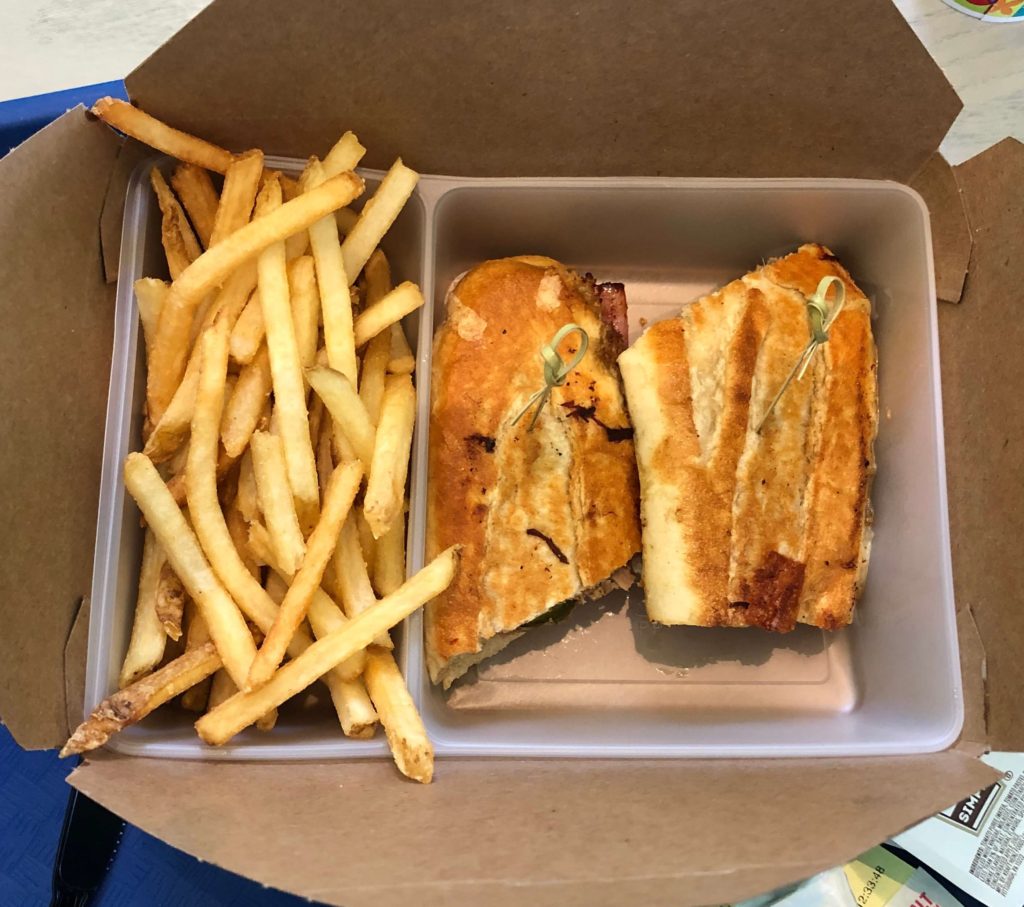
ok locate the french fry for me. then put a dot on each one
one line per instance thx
(389, 563)
(148, 639)
(176, 488)
(286, 367)
(170, 432)
(356, 713)
(275, 499)
(346, 409)
(392, 308)
(245, 405)
(150, 294)
(204, 505)
(385, 486)
(205, 312)
(374, 371)
(248, 332)
(194, 699)
(214, 266)
(345, 155)
(351, 579)
(170, 601)
(324, 614)
(305, 307)
(324, 456)
(276, 586)
(367, 543)
(180, 244)
(351, 701)
(238, 529)
(350, 575)
(407, 737)
(246, 499)
(242, 709)
(356, 295)
(341, 448)
(377, 216)
(316, 422)
(341, 492)
(335, 301)
(377, 277)
(176, 463)
(201, 486)
(198, 196)
(241, 183)
(173, 421)
(402, 361)
(150, 131)
(176, 479)
(227, 627)
(377, 280)
(135, 702)
(222, 688)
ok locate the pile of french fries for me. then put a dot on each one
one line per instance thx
(279, 417)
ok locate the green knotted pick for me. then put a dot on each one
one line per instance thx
(820, 318)
(555, 369)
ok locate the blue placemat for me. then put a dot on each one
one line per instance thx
(145, 871)
(23, 116)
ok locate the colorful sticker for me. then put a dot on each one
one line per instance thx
(991, 10)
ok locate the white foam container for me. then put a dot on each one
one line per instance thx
(605, 682)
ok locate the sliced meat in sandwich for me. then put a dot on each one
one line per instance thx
(746, 528)
(545, 516)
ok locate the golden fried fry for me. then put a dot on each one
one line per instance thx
(148, 639)
(216, 265)
(134, 703)
(242, 709)
(385, 487)
(150, 131)
(227, 628)
(406, 734)
(286, 366)
(199, 198)
(341, 492)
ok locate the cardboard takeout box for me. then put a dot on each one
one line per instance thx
(535, 88)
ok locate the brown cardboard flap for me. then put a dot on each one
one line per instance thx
(549, 832)
(74, 664)
(57, 314)
(548, 88)
(951, 234)
(982, 377)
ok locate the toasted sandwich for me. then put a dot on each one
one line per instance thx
(744, 527)
(546, 516)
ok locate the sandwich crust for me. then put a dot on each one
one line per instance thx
(544, 515)
(744, 528)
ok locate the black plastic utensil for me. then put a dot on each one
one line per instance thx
(88, 843)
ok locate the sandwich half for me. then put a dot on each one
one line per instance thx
(546, 516)
(746, 528)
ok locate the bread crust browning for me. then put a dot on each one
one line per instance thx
(747, 529)
(544, 515)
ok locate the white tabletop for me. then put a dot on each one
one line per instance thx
(47, 45)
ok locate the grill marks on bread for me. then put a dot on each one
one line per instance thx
(747, 529)
(572, 480)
